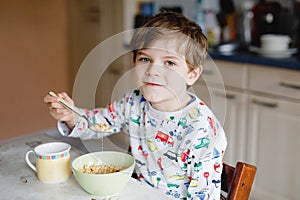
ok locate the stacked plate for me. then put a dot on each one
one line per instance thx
(274, 46)
(273, 53)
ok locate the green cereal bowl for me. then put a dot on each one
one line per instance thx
(104, 184)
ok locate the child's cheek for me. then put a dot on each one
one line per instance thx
(139, 72)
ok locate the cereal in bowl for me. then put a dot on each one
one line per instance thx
(101, 127)
(101, 169)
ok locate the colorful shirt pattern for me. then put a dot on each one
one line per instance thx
(179, 152)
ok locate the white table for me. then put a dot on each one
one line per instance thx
(18, 181)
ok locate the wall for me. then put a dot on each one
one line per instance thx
(33, 60)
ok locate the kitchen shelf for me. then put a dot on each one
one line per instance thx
(251, 58)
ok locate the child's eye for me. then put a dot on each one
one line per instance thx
(170, 63)
(143, 59)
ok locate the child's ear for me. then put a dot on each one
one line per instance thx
(193, 75)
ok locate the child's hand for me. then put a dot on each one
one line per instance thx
(58, 111)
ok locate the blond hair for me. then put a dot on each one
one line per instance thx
(191, 41)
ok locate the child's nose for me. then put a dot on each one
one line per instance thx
(153, 69)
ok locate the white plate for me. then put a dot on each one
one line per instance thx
(273, 54)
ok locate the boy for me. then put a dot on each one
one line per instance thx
(175, 138)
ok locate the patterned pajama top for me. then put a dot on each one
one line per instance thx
(180, 152)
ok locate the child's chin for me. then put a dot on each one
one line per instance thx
(151, 96)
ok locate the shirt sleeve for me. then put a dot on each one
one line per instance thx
(79, 131)
(113, 114)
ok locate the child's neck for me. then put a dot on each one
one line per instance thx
(173, 104)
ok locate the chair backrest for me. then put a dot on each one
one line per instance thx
(237, 181)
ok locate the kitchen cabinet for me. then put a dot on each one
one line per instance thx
(273, 146)
(260, 109)
(274, 132)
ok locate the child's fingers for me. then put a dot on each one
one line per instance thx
(60, 111)
(50, 99)
(65, 97)
(57, 105)
(60, 114)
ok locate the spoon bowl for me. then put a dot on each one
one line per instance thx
(96, 127)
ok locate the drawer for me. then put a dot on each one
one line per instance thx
(282, 82)
(225, 73)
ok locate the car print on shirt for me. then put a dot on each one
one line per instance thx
(139, 163)
(164, 138)
(173, 193)
(176, 134)
(204, 142)
(182, 122)
(171, 155)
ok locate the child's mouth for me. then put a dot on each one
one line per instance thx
(151, 84)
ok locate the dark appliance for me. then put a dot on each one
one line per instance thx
(269, 18)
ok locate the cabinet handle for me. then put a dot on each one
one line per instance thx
(289, 85)
(265, 104)
(225, 95)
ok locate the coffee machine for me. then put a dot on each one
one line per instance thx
(270, 18)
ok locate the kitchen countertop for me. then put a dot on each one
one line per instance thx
(245, 56)
(251, 58)
(18, 181)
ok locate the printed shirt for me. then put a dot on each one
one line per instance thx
(180, 153)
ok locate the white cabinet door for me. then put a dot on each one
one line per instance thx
(230, 108)
(273, 146)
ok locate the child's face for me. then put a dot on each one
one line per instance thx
(163, 75)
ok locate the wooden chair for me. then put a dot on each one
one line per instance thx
(237, 181)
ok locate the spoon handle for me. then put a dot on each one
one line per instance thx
(66, 104)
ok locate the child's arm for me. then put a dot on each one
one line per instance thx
(206, 169)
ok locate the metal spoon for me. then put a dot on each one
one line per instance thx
(94, 127)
